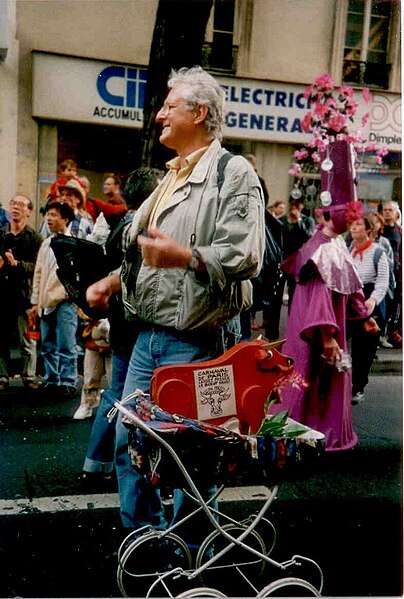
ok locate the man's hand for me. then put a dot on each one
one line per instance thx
(370, 326)
(10, 258)
(99, 293)
(331, 350)
(162, 251)
(1, 262)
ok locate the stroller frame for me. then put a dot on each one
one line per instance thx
(160, 579)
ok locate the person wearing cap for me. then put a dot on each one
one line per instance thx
(73, 193)
(328, 292)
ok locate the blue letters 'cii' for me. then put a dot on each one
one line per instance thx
(135, 86)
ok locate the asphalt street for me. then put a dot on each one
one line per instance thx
(58, 542)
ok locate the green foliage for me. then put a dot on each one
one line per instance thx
(278, 425)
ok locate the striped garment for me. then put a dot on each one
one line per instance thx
(368, 273)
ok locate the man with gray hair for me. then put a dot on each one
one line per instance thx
(197, 244)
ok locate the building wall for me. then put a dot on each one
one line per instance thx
(8, 102)
(116, 31)
(289, 41)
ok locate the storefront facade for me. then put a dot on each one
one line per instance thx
(79, 92)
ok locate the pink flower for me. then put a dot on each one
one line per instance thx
(382, 152)
(301, 154)
(371, 146)
(320, 144)
(353, 210)
(316, 158)
(366, 95)
(320, 110)
(379, 159)
(351, 107)
(306, 122)
(308, 92)
(365, 119)
(324, 81)
(346, 91)
(295, 170)
(331, 102)
(337, 122)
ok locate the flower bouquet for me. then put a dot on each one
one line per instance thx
(331, 119)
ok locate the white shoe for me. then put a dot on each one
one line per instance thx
(358, 398)
(82, 413)
(384, 343)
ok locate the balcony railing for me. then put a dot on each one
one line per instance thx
(361, 73)
(220, 58)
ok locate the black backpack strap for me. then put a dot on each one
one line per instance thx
(221, 165)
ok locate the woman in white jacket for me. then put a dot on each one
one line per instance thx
(372, 264)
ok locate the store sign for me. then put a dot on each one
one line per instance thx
(385, 121)
(90, 91)
(264, 111)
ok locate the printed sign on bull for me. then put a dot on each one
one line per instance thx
(215, 393)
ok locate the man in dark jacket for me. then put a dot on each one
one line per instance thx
(296, 230)
(19, 245)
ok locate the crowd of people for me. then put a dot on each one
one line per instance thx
(178, 244)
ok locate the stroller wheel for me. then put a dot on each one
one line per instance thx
(266, 530)
(200, 592)
(289, 587)
(145, 560)
(236, 559)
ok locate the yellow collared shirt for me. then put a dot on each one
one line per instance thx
(178, 177)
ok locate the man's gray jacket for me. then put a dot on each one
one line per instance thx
(226, 229)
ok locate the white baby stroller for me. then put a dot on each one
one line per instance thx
(233, 558)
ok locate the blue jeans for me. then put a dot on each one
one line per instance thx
(140, 501)
(100, 450)
(58, 334)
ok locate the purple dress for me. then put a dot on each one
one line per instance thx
(325, 405)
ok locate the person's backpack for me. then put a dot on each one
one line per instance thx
(80, 264)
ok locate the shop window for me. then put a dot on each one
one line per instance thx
(219, 51)
(367, 43)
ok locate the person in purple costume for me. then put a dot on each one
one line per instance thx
(328, 292)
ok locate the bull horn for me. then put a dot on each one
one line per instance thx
(276, 344)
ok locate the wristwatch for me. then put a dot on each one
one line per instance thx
(195, 260)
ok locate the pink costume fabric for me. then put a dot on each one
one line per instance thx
(325, 404)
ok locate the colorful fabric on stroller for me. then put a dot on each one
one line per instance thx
(212, 454)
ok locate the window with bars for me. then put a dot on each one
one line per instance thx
(367, 39)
